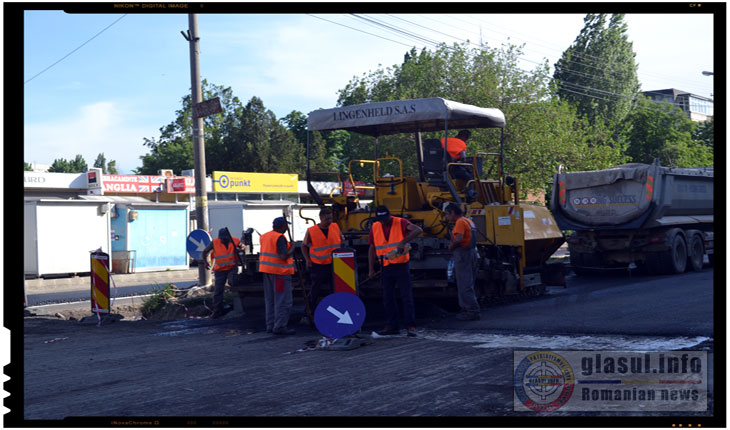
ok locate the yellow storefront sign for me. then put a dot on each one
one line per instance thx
(248, 182)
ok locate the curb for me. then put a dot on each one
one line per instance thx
(129, 279)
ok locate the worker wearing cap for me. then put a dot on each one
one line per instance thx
(224, 256)
(456, 147)
(388, 234)
(322, 238)
(277, 265)
(466, 263)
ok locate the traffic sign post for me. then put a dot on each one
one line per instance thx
(339, 315)
(196, 243)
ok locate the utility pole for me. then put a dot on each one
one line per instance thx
(201, 194)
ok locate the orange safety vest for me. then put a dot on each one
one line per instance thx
(322, 247)
(224, 256)
(383, 246)
(454, 146)
(269, 261)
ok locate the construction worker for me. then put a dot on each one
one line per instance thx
(322, 238)
(277, 265)
(388, 237)
(456, 147)
(463, 244)
(224, 255)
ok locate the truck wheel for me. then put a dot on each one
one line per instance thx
(696, 252)
(678, 257)
(668, 262)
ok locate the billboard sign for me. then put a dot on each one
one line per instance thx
(246, 182)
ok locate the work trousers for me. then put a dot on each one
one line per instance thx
(278, 300)
(321, 277)
(466, 266)
(397, 277)
(221, 276)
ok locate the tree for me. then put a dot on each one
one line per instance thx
(598, 71)
(666, 133)
(705, 133)
(241, 137)
(296, 122)
(77, 165)
(27, 167)
(110, 168)
(540, 134)
(174, 148)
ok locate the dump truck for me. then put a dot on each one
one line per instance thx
(659, 219)
(515, 239)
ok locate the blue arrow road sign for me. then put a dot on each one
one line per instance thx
(339, 315)
(196, 243)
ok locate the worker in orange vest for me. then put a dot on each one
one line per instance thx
(224, 256)
(466, 261)
(456, 147)
(277, 265)
(322, 238)
(388, 238)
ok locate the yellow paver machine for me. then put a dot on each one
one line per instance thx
(515, 239)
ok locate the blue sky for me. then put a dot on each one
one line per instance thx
(125, 84)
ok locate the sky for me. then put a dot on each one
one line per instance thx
(126, 83)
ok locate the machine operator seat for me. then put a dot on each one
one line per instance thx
(433, 163)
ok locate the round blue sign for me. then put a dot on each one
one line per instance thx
(196, 243)
(339, 315)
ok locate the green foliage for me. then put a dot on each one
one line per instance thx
(27, 167)
(541, 133)
(296, 123)
(249, 136)
(157, 299)
(108, 168)
(705, 133)
(666, 133)
(77, 165)
(598, 71)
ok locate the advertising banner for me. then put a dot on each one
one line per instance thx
(133, 184)
(246, 182)
(182, 184)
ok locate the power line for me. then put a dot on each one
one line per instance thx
(595, 78)
(581, 55)
(361, 31)
(79, 47)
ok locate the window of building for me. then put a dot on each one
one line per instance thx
(701, 106)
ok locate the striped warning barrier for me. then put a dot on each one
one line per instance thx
(344, 273)
(100, 303)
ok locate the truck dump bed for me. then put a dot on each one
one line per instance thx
(633, 196)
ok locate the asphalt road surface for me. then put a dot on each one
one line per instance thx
(193, 372)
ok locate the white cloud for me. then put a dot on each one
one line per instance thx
(99, 127)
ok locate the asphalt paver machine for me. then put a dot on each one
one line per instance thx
(515, 240)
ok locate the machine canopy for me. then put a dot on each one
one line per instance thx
(404, 116)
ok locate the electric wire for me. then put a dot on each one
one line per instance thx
(431, 42)
(580, 55)
(361, 31)
(79, 47)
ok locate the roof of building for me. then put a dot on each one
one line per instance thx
(675, 93)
